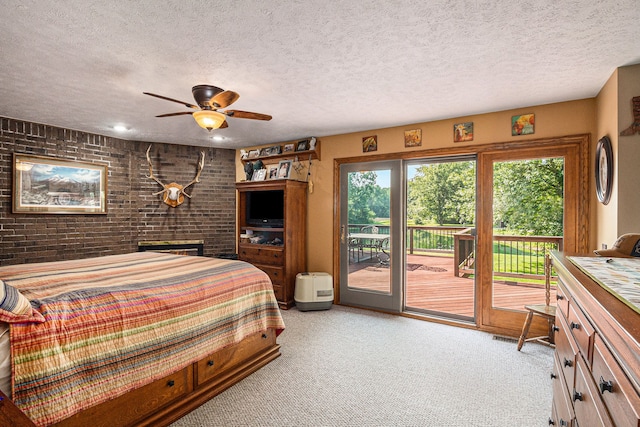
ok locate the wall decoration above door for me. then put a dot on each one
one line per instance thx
(463, 132)
(413, 138)
(522, 124)
(58, 186)
(635, 126)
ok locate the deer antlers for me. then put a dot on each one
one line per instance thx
(174, 193)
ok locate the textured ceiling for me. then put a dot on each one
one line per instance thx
(319, 67)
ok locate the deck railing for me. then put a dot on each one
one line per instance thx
(513, 256)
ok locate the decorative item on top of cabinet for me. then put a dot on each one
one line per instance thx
(272, 231)
(596, 375)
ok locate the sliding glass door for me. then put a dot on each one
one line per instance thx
(370, 225)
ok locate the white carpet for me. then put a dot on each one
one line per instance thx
(351, 367)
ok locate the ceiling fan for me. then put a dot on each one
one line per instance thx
(210, 99)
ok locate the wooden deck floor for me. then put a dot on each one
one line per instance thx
(431, 286)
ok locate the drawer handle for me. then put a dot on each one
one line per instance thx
(567, 363)
(264, 336)
(553, 376)
(551, 422)
(577, 396)
(575, 325)
(171, 383)
(564, 423)
(559, 297)
(210, 363)
(555, 328)
(605, 386)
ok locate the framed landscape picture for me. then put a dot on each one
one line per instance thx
(58, 186)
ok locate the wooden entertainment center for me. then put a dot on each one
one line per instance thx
(596, 375)
(277, 247)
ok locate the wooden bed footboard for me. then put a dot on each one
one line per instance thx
(164, 401)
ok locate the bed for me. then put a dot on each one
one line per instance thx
(133, 339)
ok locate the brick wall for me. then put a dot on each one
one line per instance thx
(133, 212)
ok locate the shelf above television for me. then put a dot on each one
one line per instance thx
(287, 155)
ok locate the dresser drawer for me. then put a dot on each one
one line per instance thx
(582, 331)
(566, 350)
(271, 255)
(562, 410)
(616, 391)
(276, 274)
(223, 360)
(278, 291)
(562, 299)
(587, 404)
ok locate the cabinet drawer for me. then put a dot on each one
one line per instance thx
(137, 404)
(562, 299)
(562, 410)
(276, 274)
(567, 351)
(582, 331)
(223, 360)
(262, 255)
(616, 391)
(278, 291)
(587, 404)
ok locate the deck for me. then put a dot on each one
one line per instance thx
(431, 286)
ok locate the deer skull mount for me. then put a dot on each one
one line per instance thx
(173, 194)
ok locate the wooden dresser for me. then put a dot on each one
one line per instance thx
(596, 375)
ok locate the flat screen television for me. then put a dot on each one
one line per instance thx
(265, 208)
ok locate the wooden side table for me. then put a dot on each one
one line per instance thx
(10, 415)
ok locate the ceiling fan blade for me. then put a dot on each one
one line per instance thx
(175, 114)
(186, 104)
(224, 125)
(224, 99)
(247, 115)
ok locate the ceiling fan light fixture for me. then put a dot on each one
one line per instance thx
(209, 119)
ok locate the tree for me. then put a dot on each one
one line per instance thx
(443, 193)
(528, 196)
(361, 188)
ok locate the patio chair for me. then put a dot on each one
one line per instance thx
(371, 244)
(546, 311)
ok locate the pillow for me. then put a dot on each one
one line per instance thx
(15, 307)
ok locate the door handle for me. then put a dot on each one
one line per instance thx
(343, 237)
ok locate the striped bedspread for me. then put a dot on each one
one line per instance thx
(118, 322)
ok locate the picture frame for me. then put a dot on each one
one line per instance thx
(254, 153)
(49, 185)
(302, 145)
(523, 124)
(463, 132)
(604, 170)
(370, 143)
(259, 175)
(273, 151)
(289, 147)
(272, 172)
(284, 169)
(413, 138)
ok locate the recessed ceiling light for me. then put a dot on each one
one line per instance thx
(120, 128)
(218, 138)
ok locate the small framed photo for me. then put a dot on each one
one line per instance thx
(289, 147)
(522, 124)
(254, 153)
(413, 138)
(369, 143)
(272, 172)
(272, 151)
(463, 132)
(284, 169)
(259, 175)
(303, 145)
